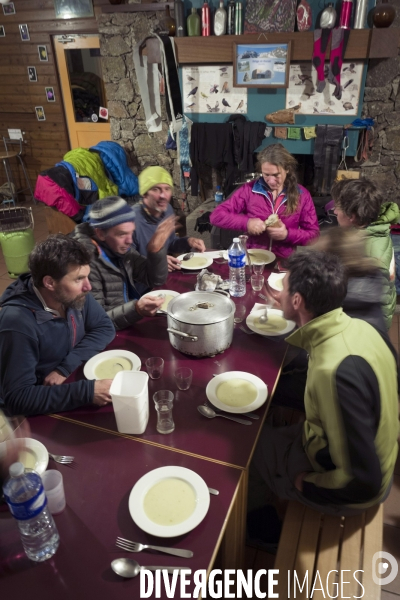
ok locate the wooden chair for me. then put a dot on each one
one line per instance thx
(58, 222)
(311, 541)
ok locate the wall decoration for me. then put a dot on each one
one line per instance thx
(73, 9)
(32, 74)
(303, 84)
(50, 94)
(43, 56)
(269, 15)
(2, 31)
(24, 31)
(261, 65)
(40, 113)
(9, 9)
(210, 90)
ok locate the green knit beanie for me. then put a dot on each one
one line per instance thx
(151, 177)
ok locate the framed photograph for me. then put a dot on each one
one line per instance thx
(261, 65)
(50, 94)
(24, 31)
(43, 56)
(73, 9)
(32, 74)
(9, 9)
(2, 32)
(40, 113)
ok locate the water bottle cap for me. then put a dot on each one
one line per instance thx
(236, 240)
(218, 187)
(16, 469)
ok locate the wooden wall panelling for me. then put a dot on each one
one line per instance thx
(47, 141)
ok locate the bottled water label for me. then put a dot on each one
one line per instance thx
(219, 196)
(30, 508)
(237, 261)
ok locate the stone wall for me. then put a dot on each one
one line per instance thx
(382, 103)
(120, 32)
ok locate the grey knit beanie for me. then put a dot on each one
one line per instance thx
(108, 212)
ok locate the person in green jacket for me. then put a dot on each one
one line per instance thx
(341, 459)
(359, 203)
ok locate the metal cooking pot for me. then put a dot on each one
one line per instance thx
(200, 323)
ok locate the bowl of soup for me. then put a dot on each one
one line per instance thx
(237, 391)
(169, 501)
(107, 364)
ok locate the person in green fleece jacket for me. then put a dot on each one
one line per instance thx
(341, 459)
(359, 203)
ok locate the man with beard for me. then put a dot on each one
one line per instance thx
(155, 187)
(49, 325)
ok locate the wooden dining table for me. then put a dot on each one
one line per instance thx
(109, 462)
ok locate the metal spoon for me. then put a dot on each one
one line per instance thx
(208, 412)
(188, 256)
(126, 567)
(264, 317)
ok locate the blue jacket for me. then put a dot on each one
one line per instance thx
(114, 160)
(33, 342)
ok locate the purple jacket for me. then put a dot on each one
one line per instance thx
(251, 201)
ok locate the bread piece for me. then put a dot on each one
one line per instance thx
(273, 221)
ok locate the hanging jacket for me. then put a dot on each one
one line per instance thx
(351, 427)
(378, 244)
(34, 342)
(114, 159)
(251, 201)
(247, 137)
(211, 146)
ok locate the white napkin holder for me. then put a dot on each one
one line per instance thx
(130, 397)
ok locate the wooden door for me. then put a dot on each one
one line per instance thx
(82, 86)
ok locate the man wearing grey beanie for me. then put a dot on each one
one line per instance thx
(116, 268)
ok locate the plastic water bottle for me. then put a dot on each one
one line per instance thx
(219, 196)
(27, 502)
(237, 274)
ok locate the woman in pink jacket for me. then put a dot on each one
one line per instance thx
(275, 192)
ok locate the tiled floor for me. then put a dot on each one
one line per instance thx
(256, 559)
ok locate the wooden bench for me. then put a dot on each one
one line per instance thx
(311, 541)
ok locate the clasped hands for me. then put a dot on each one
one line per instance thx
(256, 226)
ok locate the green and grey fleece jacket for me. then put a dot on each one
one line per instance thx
(351, 428)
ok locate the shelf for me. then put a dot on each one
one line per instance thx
(201, 50)
(362, 45)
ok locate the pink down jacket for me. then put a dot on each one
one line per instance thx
(251, 201)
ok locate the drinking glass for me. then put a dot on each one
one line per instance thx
(155, 367)
(183, 378)
(240, 312)
(258, 269)
(163, 400)
(257, 282)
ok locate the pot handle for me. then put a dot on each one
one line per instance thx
(184, 336)
(219, 291)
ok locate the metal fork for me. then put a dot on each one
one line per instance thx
(63, 460)
(136, 547)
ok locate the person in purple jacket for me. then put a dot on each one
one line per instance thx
(276, 192)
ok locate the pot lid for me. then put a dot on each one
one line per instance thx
(200, 308)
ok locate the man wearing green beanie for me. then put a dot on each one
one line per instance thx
(155, 187)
